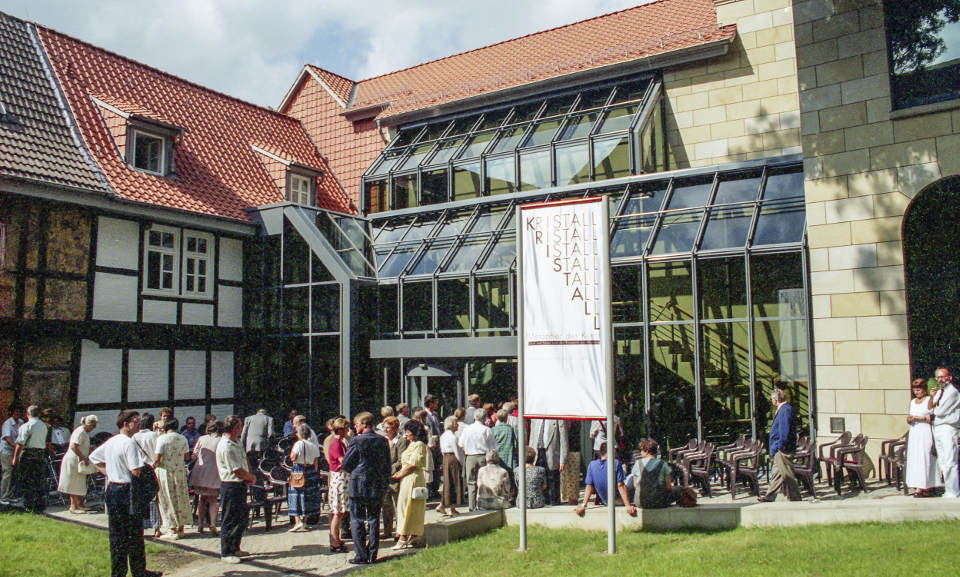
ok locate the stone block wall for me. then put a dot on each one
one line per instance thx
(744, 105)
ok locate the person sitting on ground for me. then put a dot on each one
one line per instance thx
(493, 484)
(596, 482)
(536, 480)
(654, 484)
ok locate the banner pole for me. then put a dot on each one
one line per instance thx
(606, 342)
(521, 432)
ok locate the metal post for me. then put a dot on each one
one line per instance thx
(521, 433)
(606, 341)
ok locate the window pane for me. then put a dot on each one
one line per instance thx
(525, 112)
(476, 144)
(501, 176)
(419, 153)
(445, 151)
(503, 253)
(559, 105)
(672, 383)
(611, 158)
(725, 394)
(647, 198)
(492, 302)
(780, 222)
(924, 40)
(467, 254)
(630, 91)
(535, 170)
(776, 283)
(677, 233)
(454, 222)
(579, 126)
(375, 196)
(153, 270)
(398, 260)
(148, 151)
(543, 132)
(192, 244)
(488, 219)
(434, 187)
(670, 291)
(386, 163)
(783, 185)
(418, 306)
(493, 118)
(781, 360)
(722, 288)
(626, 294)
(453, 304)
(319, 272)
(654, 157)
(628, 376)
(466, 181)
(463, 125)
(509, 138)
(631, 236)
(423, 226)
(738, 188)
(295, 307)
(727, 227)
(326, 308)
(404, 191)
(618, 119)
(388, 308)
(393, 230)
(690, 192)
(573, 164)
(431, 258)
(296, 256)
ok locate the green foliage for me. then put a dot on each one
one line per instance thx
(822, 550)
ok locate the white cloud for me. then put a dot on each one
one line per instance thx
(254, 49)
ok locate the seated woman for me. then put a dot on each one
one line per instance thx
(655, 488)
(493, 484)
(536, 480)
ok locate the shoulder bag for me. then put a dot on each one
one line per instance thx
(297, 479)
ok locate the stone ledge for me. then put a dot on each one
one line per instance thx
(465, 525)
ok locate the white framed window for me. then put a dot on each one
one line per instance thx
(299, 190)
(197, 263)
(162, 251)
(149, 152)
(178, 262)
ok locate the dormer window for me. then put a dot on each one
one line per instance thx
(300, 189)
(148, 152)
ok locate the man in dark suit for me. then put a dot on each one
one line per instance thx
(368, 462)
(783, 445)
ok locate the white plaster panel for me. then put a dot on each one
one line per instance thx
(231, 259)
(148, 375)
(221, 374)
(115, 297)
(190, 375)
(222, 411)
(106, 421)
(197, 314)
(162, 312)
(197, 412)
(118, 243)
(230, 306)
(100, 374)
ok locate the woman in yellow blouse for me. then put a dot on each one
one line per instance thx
(410, 511)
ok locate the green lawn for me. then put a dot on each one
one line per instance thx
(37, 546)
(875, 550)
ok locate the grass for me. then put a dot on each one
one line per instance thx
(37, 546)
(872, 549)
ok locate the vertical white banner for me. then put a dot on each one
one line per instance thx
(562, 259)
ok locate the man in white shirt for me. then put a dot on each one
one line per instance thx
(945, 402)
(30, 455)
(8, 440)
(235, 476)
(120, 459)
(60, 434)
(475, 441)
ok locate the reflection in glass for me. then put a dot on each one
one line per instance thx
(493, 119)
(418, 306)
(618, 119)
(454, 222)
(466, 254)
(924, 39)
(631, 235)
(503, 253)
(433, 187)
(419, 153)
(432, 255)
(725, 372)
(375, 195)
(296, 255)
(501, 175)
(295, 308)
(453, 304)
(626, 294)
(445, 151)
(573, 164)
(780, 222)
(492, 302)
(646, 197)
(652, 141)
(670, 291)
(466, 181)
(535, 170)
(782, 185)
(319, 272)
(393, 230)
(386, 163)
(690, 192)
(542, 133)
(326, 308)
(611, 158)
(628, 374)
(776, 285)
(722, 288)
(579, 126)
(398, 260)
(404, 191)
(488, 219)
(740, 187)
(509, 138)
(727, 227)
(677, 233)
(476, 144)
(673, 383)
(781, 360)
(388, 308)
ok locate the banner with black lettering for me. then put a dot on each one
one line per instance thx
(562, 257)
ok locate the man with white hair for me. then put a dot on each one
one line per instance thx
(945, 402)
(475, 441)
(30, 456)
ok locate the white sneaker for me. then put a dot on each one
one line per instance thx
(231, 560)
(298, 528)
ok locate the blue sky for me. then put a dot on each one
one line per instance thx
(254, 49)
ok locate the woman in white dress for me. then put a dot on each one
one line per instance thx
(170, 460)
(72, 481)
(922, 472)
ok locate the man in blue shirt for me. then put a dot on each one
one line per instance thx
(783, 445)
(596, 481)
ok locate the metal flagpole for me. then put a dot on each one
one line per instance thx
(521, 433)
(606, 341)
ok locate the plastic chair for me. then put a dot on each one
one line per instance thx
(677, 455)
(888, 450)
(697, 465)
(824, 451)
(805, 464)
(850, 459)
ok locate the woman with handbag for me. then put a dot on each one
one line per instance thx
(75, 465)
(412, 499)
(205, 478)
(303, 496)
(338, 489)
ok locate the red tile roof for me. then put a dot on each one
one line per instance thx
(640, 32)
(217, 171)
